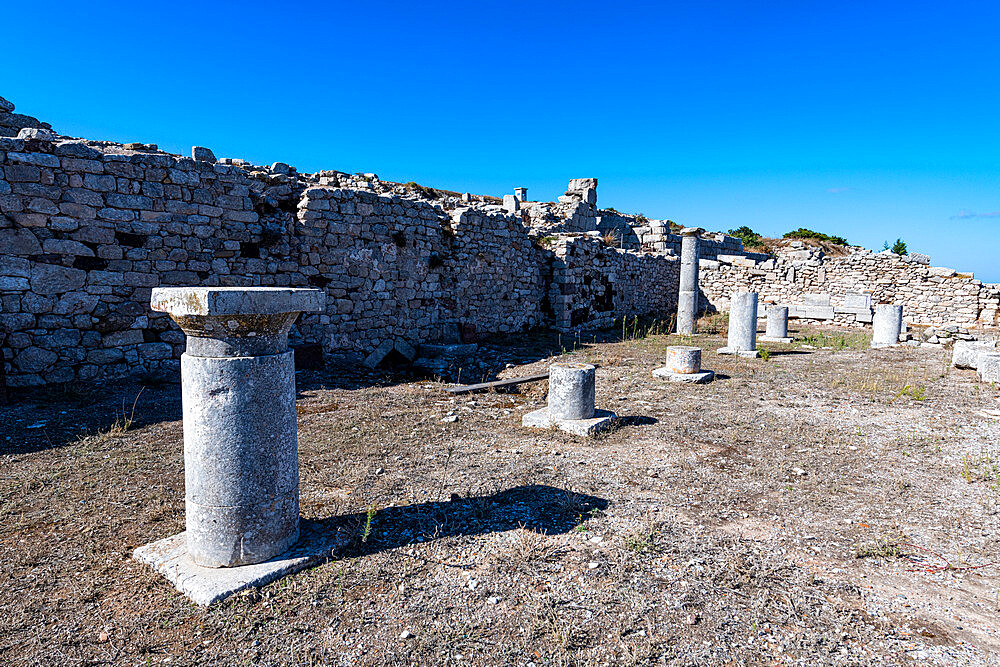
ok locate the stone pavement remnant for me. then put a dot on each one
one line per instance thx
(887, 325)
(241, 470)
(777, 325)
(571, 404)
(683, 364)
(687, 297)
(742, 325)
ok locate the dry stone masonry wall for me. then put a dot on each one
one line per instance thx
(833, 286)
(89, 228)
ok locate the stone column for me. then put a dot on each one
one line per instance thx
(742, 325)
(241, 468)
(571, 391)
(687, 295)
(777, 324)
(683, 364)
(887, 324)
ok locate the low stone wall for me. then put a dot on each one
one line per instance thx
(929, 295)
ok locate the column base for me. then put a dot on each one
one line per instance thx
(749, 354)
(701, 377)
(601, 420)
(205, 585)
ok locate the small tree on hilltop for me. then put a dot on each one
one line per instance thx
(745, 234)
(899, 247)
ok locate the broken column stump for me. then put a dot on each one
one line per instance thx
(887, 324)
(742, 325)
(683, 364)
(571, 404)
(241, 468)
(777, 325)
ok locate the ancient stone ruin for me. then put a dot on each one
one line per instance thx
(89, 228)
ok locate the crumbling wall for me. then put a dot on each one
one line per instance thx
(12, 123)
(929, 295)
(87, 229)
(594, 284)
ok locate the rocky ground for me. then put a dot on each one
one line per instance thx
(827, 505)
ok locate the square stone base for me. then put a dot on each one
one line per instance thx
(205, 585)
(540, 419)
(693, 378)
(749, 354)
(766, 339)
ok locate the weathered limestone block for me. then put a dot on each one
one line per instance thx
(988, 366)
(966, 352)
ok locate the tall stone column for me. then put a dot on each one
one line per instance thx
(241, 466)
(687, 295)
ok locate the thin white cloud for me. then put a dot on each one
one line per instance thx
(968, 215)
(837, 190)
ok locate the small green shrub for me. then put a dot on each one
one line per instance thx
(803, 233)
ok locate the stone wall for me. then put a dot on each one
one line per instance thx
(594, 284)
(929, 295)
(87, 229)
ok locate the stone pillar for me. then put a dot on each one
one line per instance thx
(687, 295)
(683, 359)
(777, 324)
(521, 194)
(571, 405)
(241, 469)
(511, 204)
(683, 364)
(887, 324)
(742, 325)
(571, 391)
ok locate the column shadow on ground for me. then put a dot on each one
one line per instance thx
(535, 507)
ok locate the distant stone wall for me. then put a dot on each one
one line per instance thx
(929, 295)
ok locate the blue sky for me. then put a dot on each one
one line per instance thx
(867, 120)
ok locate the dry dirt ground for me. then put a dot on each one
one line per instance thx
(823, 506)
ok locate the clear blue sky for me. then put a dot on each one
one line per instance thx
(863, 119)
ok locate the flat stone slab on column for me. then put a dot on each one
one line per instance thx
(601, 420)
(701, 377)
(207, 585)
(181, 301)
